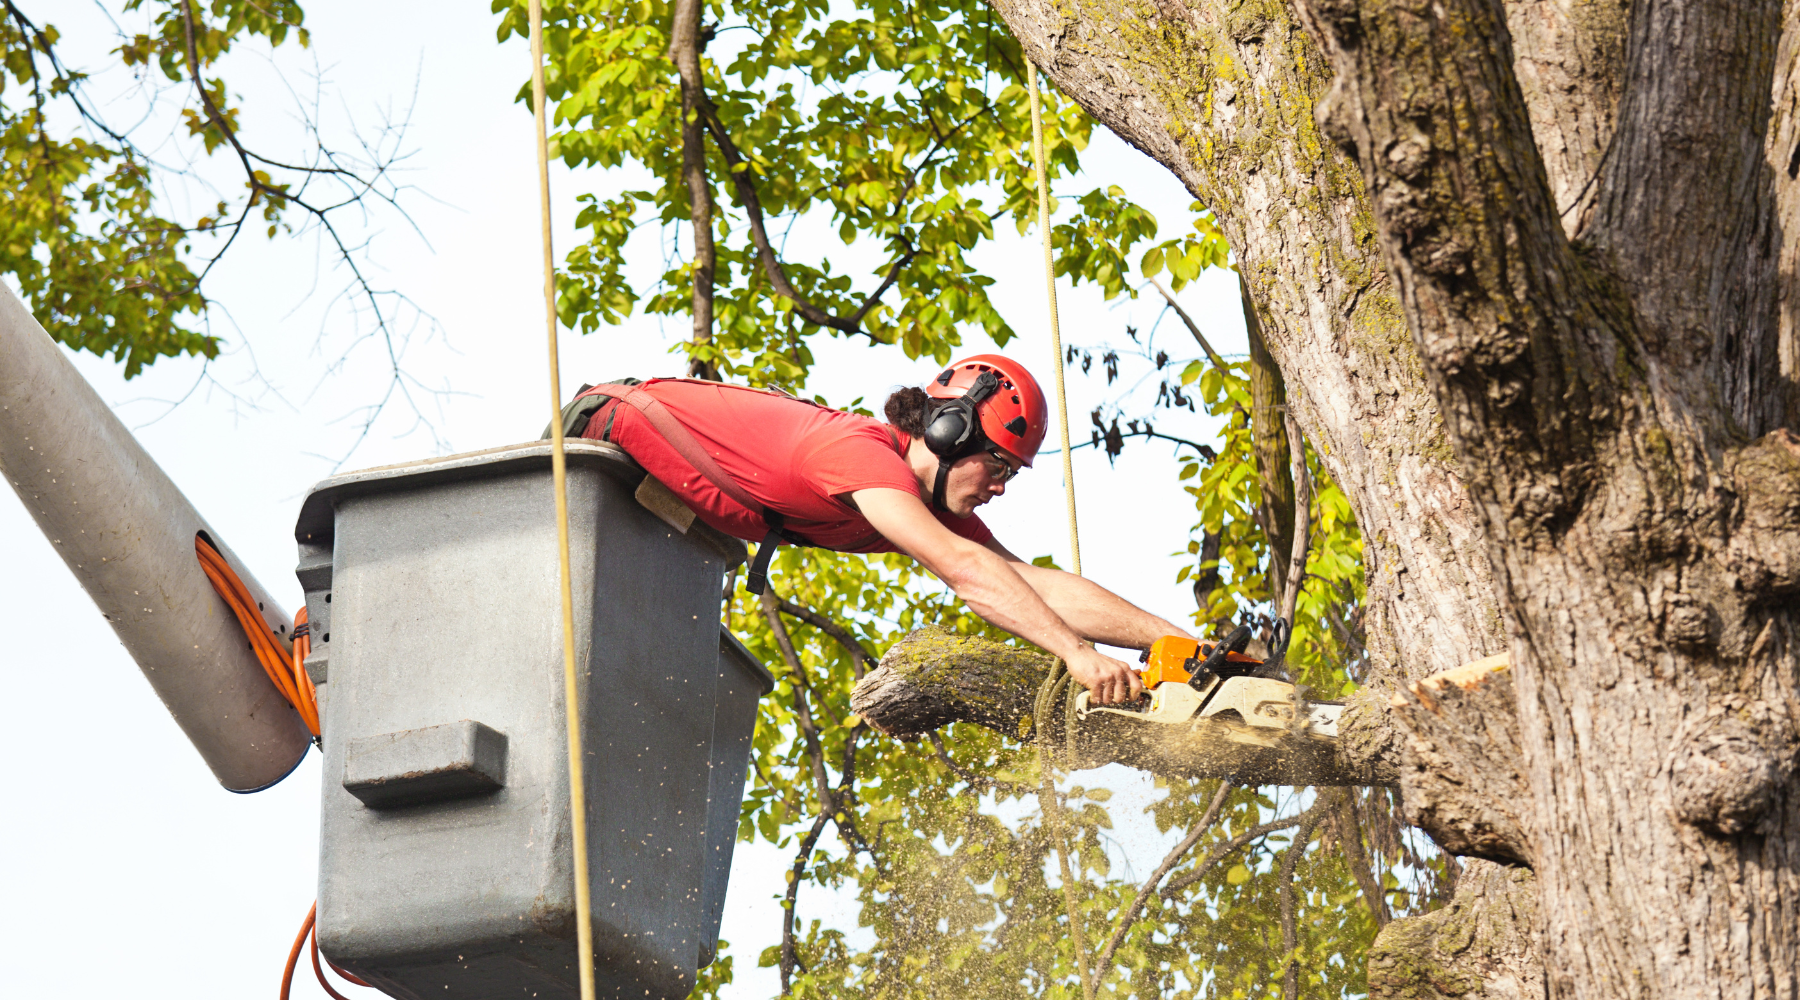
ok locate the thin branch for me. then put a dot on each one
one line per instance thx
(1147, 434)
(861, 659)
(802, 711)
(1168, 862)
(1220, 852)
(1290, 979)
(790, 957)
(1193, 327)
(1350, 838)
(1296, 571)
(739, 169)
(685, 45)
(972, 777)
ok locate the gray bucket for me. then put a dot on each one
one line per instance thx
(445, 867)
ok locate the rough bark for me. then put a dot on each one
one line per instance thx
(1615, 406)
(1223, 95)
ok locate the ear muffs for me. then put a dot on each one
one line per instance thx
(954, 424)
(954, 430)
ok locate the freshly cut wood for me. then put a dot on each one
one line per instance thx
(1462, 731)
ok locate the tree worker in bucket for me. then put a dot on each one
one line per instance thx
(764, 466)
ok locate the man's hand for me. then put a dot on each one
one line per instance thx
(1108, 681)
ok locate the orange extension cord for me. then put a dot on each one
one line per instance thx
(287, 671)
(308, 930)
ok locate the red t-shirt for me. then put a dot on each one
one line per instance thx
(797, 459)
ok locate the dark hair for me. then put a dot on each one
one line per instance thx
(907, 409)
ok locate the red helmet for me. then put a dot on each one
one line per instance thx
(1015, 416)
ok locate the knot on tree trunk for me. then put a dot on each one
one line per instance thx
(1728, 774)
(1462, 780)
(1765, 545)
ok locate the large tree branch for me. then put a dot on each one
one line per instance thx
(745, 183)
(934, 677)
(1506, 318)
(1685, 199)
(1458, 763)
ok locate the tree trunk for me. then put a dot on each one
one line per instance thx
(1534, 285)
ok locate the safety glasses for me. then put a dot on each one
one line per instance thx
(1005, 471)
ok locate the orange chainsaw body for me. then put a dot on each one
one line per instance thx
(1175, 658)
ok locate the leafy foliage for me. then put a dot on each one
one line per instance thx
(903, 124)
(79, 231)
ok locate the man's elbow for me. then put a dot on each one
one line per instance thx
(964, 568)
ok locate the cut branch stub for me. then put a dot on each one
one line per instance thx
(1463, 779)
(934, 677)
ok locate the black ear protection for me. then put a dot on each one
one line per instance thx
(954, 429)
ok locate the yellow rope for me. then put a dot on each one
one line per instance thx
(1062, 396)
(584, 924)
(1052, 811)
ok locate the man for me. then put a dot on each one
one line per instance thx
(765, 466)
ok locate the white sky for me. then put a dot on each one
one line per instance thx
(132, 873)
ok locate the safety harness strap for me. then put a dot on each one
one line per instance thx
(685, 445)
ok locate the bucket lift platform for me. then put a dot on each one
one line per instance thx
(445, 866)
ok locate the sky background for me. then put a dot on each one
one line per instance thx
(132, 872)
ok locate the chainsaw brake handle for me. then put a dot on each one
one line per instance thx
(1202, 676)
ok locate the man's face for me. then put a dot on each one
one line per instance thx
(978, 478)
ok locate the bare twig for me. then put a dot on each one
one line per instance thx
(1193, 327)
(276, 196)
(1169, 861)
(1147, 434)
(1222, 851)
(860, 658)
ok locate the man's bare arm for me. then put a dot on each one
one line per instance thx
(1090, 609)
(993, 589)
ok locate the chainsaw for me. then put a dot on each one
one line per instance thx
(1189, 681)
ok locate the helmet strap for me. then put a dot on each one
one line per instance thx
(943, 480)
